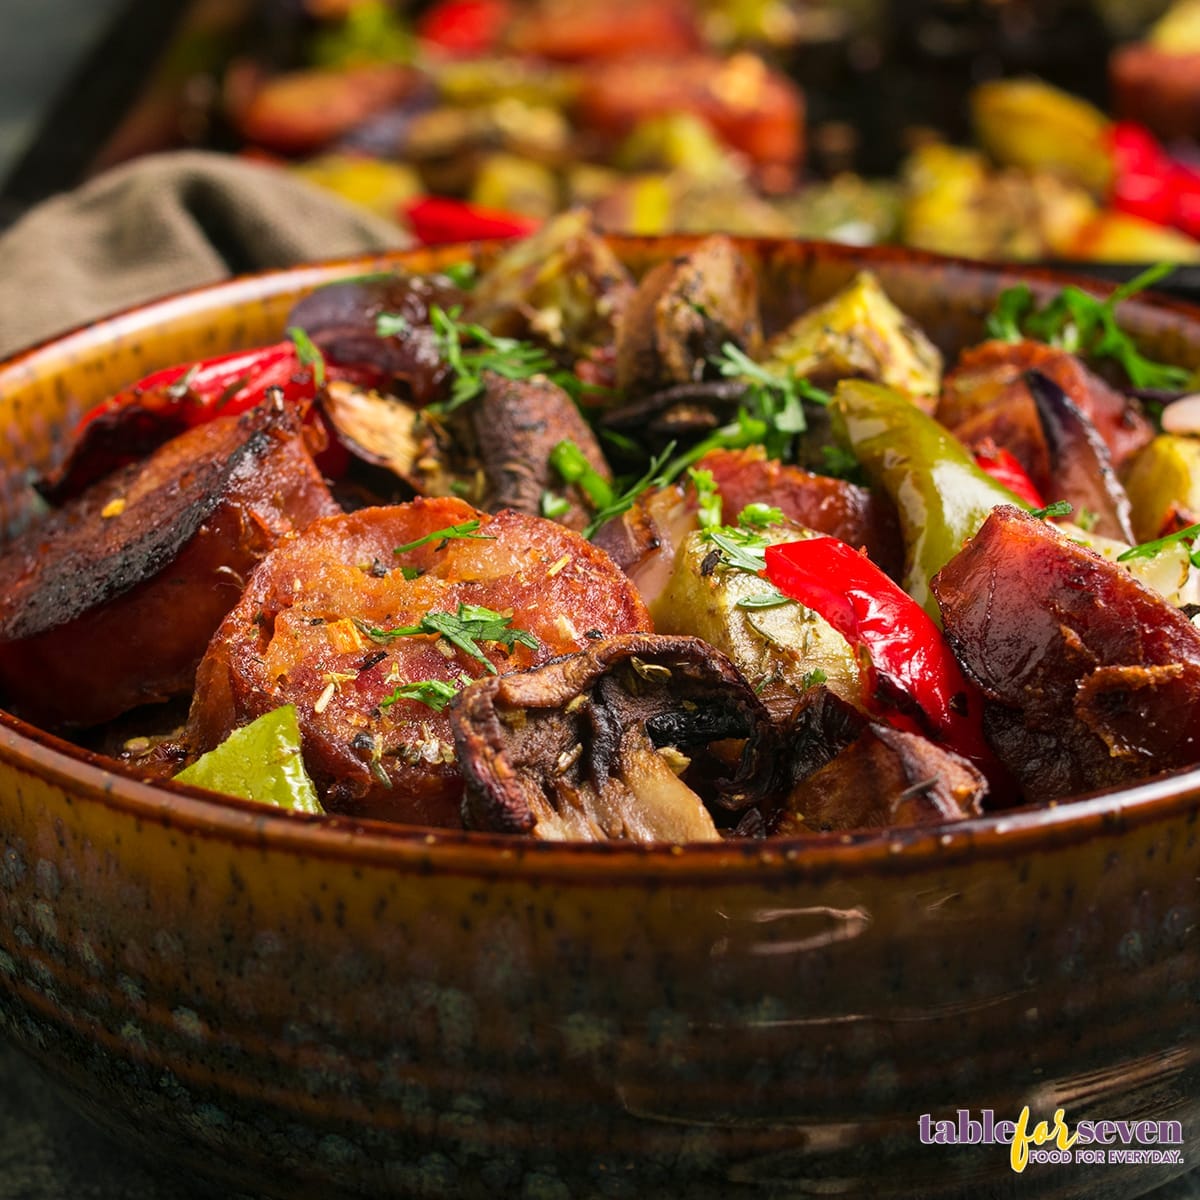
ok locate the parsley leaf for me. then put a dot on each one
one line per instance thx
(308, 353)
(465, 629)
(760, 516)
(1078, 322)
(774, 399)
(470, 349)
(709, 513)
(435, 693)
(465, 529)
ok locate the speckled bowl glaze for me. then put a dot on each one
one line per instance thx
(307, 1007)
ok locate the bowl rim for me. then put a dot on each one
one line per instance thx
(84, 774)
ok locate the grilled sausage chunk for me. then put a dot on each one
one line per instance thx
(110, 603)
(339, 623)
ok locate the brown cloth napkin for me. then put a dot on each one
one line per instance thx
(161, 224)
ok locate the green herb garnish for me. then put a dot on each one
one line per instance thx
(572, 464)
(470, 349)
(574, 467)
(462, 274)
(1060, 508)
(435, 693)
(391, 324)
(760, 516)
(1078, 322)
(1150, 549)
(709, 513)
(308, 353)
(552, 506)
(465, 629)
(464, 530)
(774, 399)
(654, 476)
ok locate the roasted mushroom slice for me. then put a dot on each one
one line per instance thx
(849, 772)
(110, 603)
(494, 451)
(635, 738)
(682, 313)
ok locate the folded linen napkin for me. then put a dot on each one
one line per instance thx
(161, 224)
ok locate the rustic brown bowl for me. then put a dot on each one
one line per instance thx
(308, 1007)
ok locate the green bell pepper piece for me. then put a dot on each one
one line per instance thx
(941, 495)
(262, 762)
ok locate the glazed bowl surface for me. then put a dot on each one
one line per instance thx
(302, 1006)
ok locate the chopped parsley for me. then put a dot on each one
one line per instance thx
(465, 629)
(775, 400)
(462, 274)
(760, 516)
(572, 464)
(308, 353)
(391, 324)
(463, 530)
(1079, 323)
(709, 499)
(434, 693)
(552, 506)
(470, 349)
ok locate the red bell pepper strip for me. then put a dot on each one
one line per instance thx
(1003, 467)
(913, 680)
(1149, 183)
(438, 220)
(465, 27)
(197, 392)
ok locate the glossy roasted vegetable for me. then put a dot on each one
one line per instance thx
(261, 761)
(782, 648)
(1163, 485)
(941, 495)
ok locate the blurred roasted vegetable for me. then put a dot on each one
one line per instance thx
(563, 285)
(859, 332)
(681, 315)
(1031, 124)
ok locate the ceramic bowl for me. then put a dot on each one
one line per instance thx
(308, 1007)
